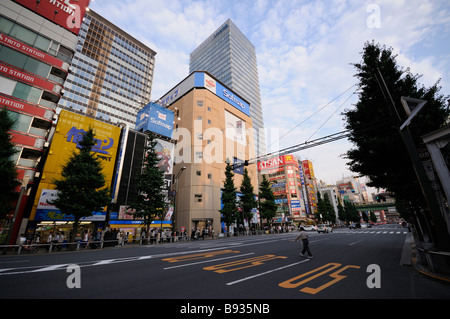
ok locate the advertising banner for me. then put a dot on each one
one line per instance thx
(271, 163)
(165, 151)
(235, 129)
(68, 14)
(29, 78)
(203, 80)
(155, 118)
(23, 107)
(68, 133)
(19, 46)
(308, 169)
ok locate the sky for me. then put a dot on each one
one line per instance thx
(305, 51)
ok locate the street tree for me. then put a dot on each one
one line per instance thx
(267, 205)
(351, 212)
(321, 210)
(247, 201)
(229, 209)
(150, 203)
(81, 188)
(8, 173)
(325, 210)
(342, 212)
(379, 151)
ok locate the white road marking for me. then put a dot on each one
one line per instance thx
(265, 273)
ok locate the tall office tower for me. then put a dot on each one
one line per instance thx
(230, 57)
(37, 43)
(111, 74)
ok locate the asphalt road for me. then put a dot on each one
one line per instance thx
(347, 264)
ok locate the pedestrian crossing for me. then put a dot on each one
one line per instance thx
(368, 231)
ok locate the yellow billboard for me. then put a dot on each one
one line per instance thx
(68, 133)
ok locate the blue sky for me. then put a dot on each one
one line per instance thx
(304, 50)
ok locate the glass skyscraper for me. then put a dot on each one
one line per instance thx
(111, 74)
(230, 57)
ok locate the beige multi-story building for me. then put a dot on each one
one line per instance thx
(212, 126)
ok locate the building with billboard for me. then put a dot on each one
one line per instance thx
(69, 131)
(288, 184)
(353, 190)
(37, 42)
(212, 126)
(230, 57)
(311, 186)
(153, 118)
(111, 75)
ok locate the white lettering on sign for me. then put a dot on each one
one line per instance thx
(233, 98)
(273, 162)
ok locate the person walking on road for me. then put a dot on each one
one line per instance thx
(304, 237)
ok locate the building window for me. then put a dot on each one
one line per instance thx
(199, 173)
(200, 103)
(198, 198)
(209, 176)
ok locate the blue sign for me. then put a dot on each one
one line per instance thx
(227, 95)
(155, 118)
(295, 204)
(240, 169)
(206, 81)
(57, 215)
(75, 135)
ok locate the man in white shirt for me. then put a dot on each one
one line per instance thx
(304, 237)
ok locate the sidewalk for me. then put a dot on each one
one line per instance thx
(410, 257)
(52, 248)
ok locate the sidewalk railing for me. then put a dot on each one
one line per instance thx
(101, 244)
(82, 245)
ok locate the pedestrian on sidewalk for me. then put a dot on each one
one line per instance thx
(304, 237)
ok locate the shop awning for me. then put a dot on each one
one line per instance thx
(157, 224)
(138, 224)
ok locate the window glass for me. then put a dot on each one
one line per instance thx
(12, 57)
(22, 121)
(7, 85)
(23, 34)
(27, 92)
(37, 67)
(5, 25)
(42, 43)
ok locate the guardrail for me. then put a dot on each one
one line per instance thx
(435, 261)
(101, 244)
(80, 245)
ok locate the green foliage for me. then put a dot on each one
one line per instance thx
(81, 189)
(247, 200)
(267, 205)
(150, 203)
(229, 207)
(325, 208)
(351, 213)
(379, 151)
(8, 172)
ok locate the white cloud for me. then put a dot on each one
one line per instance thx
(304, 51)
